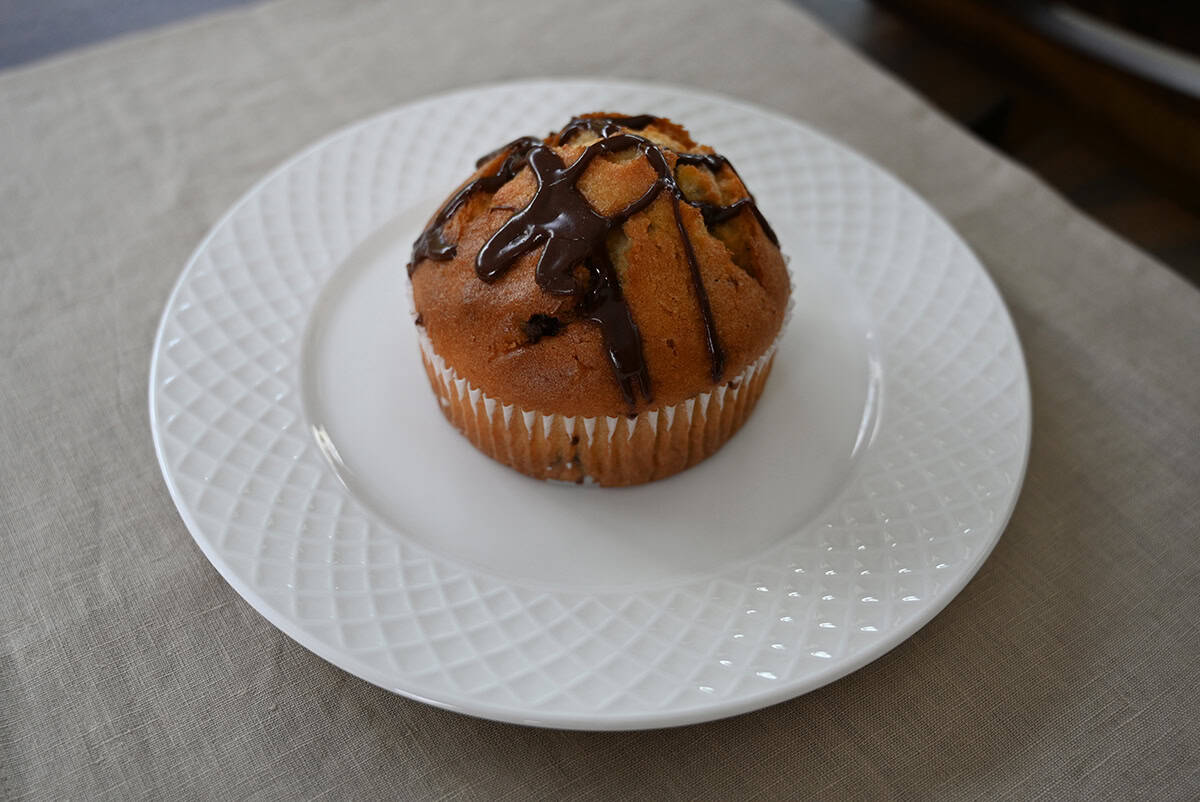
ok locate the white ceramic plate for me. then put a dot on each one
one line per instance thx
(309, 460)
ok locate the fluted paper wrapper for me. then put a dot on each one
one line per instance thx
(620, 450)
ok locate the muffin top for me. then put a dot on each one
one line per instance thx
(613, 267)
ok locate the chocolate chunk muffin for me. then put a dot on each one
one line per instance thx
(601, 305)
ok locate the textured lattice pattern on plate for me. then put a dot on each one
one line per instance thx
(918, 517)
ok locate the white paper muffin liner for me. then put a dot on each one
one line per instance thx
(605, 450)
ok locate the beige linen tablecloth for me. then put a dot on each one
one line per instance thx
(128, 668)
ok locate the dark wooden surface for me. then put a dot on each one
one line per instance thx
(1124, 181)
(1127, 186)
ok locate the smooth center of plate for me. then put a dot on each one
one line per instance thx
(372, 411)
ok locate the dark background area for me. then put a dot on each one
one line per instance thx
(1114, 130)
(1101, 98)
(34, 29)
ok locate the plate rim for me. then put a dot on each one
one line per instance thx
(597, 721)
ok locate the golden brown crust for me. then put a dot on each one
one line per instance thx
(480, 329)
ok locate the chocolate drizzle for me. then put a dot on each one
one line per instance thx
(431, 244)
(714, 213)
(574, 237)
(519, 147)
(715, 354)
(604, 126)
(574, 234)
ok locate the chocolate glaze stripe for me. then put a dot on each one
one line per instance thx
(604, 126)
(430, 244)
(574, 234)
(716, 355)
(521, 144)
(714, 213)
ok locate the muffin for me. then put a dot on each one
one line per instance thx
(601, 305)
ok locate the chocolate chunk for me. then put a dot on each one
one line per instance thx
(539, 326)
